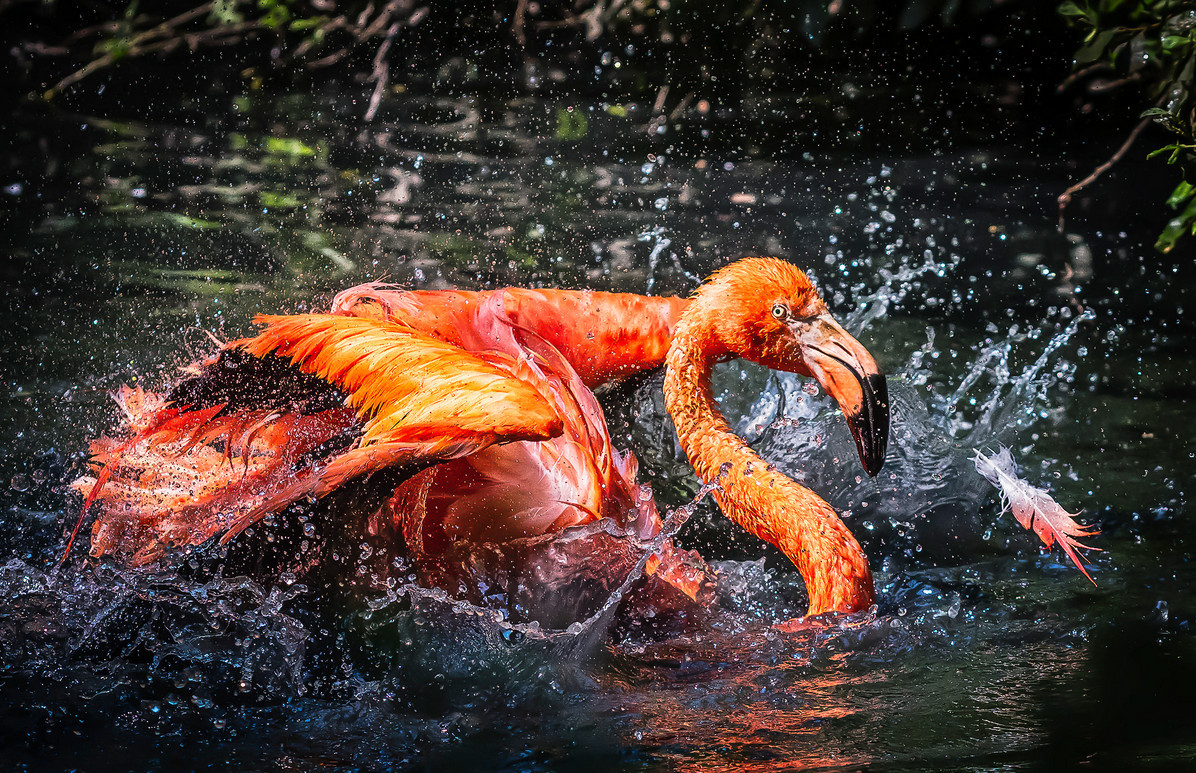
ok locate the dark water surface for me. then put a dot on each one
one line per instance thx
(127, 242)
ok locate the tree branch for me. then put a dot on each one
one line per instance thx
(381, 74)
(1066, 196)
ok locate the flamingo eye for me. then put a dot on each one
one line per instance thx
(780, 311)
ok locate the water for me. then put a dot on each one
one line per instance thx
(983, 653)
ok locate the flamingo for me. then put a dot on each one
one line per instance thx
(476, 409)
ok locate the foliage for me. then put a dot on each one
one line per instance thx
(312, 34)
(303, 33)
(1150, 44)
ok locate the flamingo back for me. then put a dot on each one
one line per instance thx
(605, 337)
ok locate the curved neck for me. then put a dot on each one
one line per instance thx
(752, 493)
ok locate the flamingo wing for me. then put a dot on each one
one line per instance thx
(406, 384)
(605, 337)
(311, 402)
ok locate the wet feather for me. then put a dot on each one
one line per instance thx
(1034, 507)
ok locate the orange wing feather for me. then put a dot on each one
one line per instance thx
(415, 400)
(408, 384)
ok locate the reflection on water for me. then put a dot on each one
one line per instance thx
(984, 653)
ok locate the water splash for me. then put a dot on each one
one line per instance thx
(896, 285)
(227, 636)
(1013, 402)
(660, 242)
(594, 554)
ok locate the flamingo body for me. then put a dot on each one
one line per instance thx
(482, 403)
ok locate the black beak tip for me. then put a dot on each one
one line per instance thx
(873, 465)
(871, 425)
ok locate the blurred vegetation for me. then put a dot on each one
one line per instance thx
(1149, 46)
(670, 54)
(737, 39)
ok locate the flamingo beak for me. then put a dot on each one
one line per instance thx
(848, 373)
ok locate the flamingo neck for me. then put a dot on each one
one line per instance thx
(753, 493)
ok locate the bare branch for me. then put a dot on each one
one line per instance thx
(1066, 196)
(381, 75)
(518, 22)
(1079, 75)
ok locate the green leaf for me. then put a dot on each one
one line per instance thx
(276, 13)
(1176, 228)
(299, 25)
(288, 146)
(1071, 10)
(1174, 148)
(279, 200)
(1182, 193)
(190, 222)
(1170, 235)
(571, 124)
(1172, 42)
(225, 12)
(1093, 51)
(1165, 118)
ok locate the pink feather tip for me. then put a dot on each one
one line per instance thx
(1034, 507)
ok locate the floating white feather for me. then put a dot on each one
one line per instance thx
(1034, 507)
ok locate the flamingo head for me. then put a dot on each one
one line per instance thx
(767, 311)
